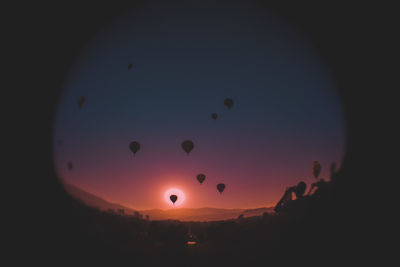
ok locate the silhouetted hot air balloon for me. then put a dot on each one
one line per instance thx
(221, 187)
(187, 146)
(316, 168)
(173, 198)
(129, 66)
(201, 177)
(69, 165)
(134, 146)
(81, 102)
(228, 102)
(214, 116)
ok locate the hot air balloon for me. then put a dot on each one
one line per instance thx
(214, 116)
(228, 102)
(173, 198)
(221, 187)
(316, 168)
(129, 66)
(69, 165)
(201, 177)
(134, 146)
(81, 102)
(187, 146)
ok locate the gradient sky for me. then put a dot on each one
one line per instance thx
(187, 58)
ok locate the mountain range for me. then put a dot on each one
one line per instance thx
(182, 214)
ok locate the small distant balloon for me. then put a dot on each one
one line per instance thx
(134, 147)
(201, 177)
(228, 102)
(69, 164)
(214, 116)
(316, 169)
(81, 102)
(173, 198)
(187, 146)
(129, 66)
(221, 187)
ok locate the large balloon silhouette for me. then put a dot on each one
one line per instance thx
(228, 102)
(134, 147)
(81, 102)
(201, 177)
(214, 116)
(316, 168)
(221, 187)
(187, 146)
(173, 198)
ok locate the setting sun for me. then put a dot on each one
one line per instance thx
(174, 191)
(139, 123)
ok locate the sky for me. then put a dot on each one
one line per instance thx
(187, 58)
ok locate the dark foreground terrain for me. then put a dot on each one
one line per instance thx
(336, 228)
(322, 227)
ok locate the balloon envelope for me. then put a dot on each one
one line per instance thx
(134, 147)
(214, 116)
(187, 146)
(173, 198)
(69, 165)
(81, 102)
(221, 187)
(129, 66)
(201, 177)
(228, 102)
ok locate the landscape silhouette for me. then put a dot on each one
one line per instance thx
(231, 242)
(329, 221)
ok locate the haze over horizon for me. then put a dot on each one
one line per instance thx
(185, 62)
(183, 214)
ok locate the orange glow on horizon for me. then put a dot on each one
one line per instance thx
(174, 191)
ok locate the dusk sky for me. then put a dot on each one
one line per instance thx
(187, 58)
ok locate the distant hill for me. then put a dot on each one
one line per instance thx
(182, 214)
(93, 200)
(203, 214)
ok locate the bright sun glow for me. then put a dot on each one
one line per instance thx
(174, 191)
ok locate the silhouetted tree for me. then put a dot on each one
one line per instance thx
(137, 215)
(111, 211)
(333, 171)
